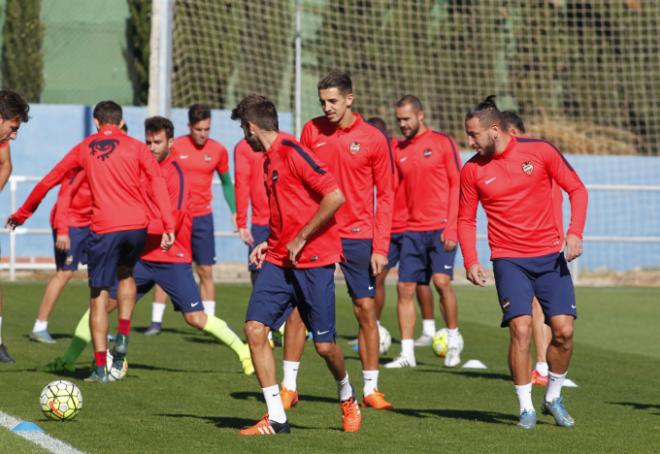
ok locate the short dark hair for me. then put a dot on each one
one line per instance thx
(13, 105)
(412, 100)
(156, 124)
(512, 120)
(198, 112)
(108, 113)
(378, 123)
(336, 79)
(259, 110)
(487, 112)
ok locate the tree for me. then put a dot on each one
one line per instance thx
(22, 58)
(138, 34)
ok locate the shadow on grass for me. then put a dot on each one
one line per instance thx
(224, 422)
(469, 374)
(490, 417)
(638, 406)
(257, 396)
(142, 329)
(152, 367)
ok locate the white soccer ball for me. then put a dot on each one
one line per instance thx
(61, 400)
(116, 374)
(385, 339)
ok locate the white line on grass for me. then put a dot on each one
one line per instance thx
(42, 439)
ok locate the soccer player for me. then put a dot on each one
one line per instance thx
(359, 156)
(115, 165)
(13, 111)
(541, 332)
(70, 219)
(511, 177)
(429, 165)
(250, 191)
(297, 262)
(200, 157)
(399, 223)
(171, 269)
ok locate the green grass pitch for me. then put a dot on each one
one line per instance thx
(184, 392)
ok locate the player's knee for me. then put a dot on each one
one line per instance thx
(205, 272)
(324, 349)
(255, 332)
(521, 329)
(562, 336)
(195, 319)
(406, 291)
(442, 281)
(64, 275)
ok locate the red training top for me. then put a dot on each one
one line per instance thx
(74, 204)
(430, 166)
(296, 181)
(249, 185)
(198, 164)
(179, 198)
(360, 158)
(400, 211)
(114, 164)
(515, 188)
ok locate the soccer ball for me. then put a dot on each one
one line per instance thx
(61, 400)
(116, 374)
(439, 344)
(385, 339)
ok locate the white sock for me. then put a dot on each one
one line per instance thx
(290, 374)
(274, 404)
(408, 348)
(428, 327)
(209, 308)
(40, 325)
(378, 323)
(344, 389)
(0, 330)
(452, 335)
(370, 378)
(524, 393)
(541, 368)
(157, 311)
(555, 382)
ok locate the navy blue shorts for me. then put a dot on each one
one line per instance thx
(546, 277)
(357, 268)
(260, 233)
(422, 255)
(77, 254)
(395, 250)
(278, 290)
(203, 240)
(107, 251)
(175, 278)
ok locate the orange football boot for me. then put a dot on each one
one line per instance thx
(351, 415)
(266, 427)
(376, 400)
(289, 398)
(538, 379)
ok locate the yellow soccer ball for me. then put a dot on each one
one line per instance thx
(61, 400)
(439, 344)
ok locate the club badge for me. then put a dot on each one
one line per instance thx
(207, 157)
(354, 147)
(427, 153)
(527, 167)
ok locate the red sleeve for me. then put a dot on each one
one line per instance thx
(467, 217)
(241, 185)
(453, 166)
(383, 175)
(223, 163)
(152, 170)
(307, 135)
(562, 172)
(69, 188)
(313, 173)
(55, 176)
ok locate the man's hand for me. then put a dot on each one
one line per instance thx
(294, 247)
(167, 241)
(477, 275)
(246, 236)
(63, 243)
(449, 245)
(378, 263)
(258, 254)
(233, 222)
(12, 223)
(573, 247)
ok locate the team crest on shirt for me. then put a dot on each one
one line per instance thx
(355, 147)
(527, 167)
(102, 149)
(207, 157)
(427, 153)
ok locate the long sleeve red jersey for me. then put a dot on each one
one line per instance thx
(114, 164)
(296, 182)
(73, 207)
(515, 189)
(249, 186)
(179, 198)
(430, 167)
(360, 158)
(199, 164)
(400, 210)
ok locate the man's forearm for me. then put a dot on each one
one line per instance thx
(330, 203)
